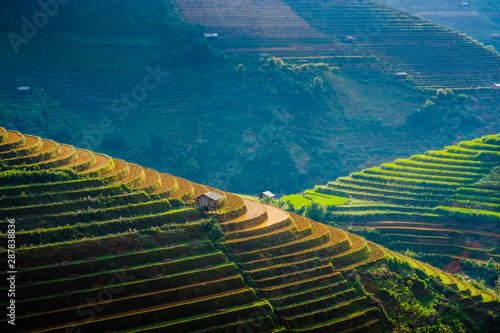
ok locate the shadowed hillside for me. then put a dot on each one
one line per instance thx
(308, 110)
(432, 54)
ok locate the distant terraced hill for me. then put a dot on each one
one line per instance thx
(107, 245)
(444, 202)
(434, 55)
(479, 19)
(258, 26)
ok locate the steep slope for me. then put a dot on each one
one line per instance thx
(103, 244)
(479, 19)
(131, 237)
(432, 54)
(258, 26)
(444, 202)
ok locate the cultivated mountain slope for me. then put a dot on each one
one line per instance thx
(479, 19)
(434, 55)
(259, 26)
(443, 203)
(107, 245)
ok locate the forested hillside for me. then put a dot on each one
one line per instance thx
(283, 117)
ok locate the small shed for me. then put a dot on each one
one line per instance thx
(495, 36)
(401, 75)
(496, 86)
(209, 200)
(465, 4)
(23, 90)
(349, 39)
(266, 194)
(210, 34)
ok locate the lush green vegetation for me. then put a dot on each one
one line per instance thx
(438, 205)
(300, 201)
(492, 180)
(176, 266)
(297, 200)
(419, 302)
(135, 80)
(286, 142)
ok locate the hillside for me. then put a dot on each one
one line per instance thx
(259, 26)
(442, 205)
(432, 54)
(479, 19)
(103, 244)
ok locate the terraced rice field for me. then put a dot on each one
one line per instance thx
(434, 55)
(109, 238)
(442, 202)
(252, 26)
(133, 240)
(309, 196)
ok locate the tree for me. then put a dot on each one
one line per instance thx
(429, 104)
(445, 93)
(441, 93)
(315, 211)
(318, 83)
(275, 62)
(241, 68)
(45, 114)
(200, 52)
(191, 167)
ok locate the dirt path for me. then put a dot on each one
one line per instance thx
(274, 215)
(254, 209)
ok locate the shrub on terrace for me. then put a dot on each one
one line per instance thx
(275, 63)
(429, 104)
(491, 48)
(315, 211)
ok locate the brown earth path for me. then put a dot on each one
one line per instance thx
(254, 209)
(274, 215)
